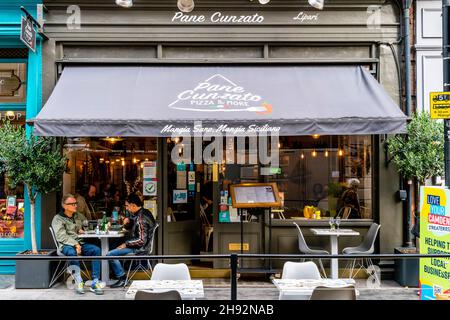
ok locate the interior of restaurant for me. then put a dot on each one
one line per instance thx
(314, 171)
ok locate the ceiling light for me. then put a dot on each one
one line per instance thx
(264, 1)
(125, 3)
(185, 5)
(316, 136)
(112, 139)
(318, 4)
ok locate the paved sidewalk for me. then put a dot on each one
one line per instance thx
(215, 289)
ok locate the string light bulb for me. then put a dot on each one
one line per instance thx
(314, 153)
(326, 153)
(302, 156)
(340, 152)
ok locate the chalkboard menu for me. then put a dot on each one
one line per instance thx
(255, 195)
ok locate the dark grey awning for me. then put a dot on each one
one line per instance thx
(156, 100)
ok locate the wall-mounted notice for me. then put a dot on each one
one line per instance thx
(179, 196)
(150, 181)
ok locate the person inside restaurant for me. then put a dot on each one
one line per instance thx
(141, 224)
(350, 207)
(67, 225)
(84, 199)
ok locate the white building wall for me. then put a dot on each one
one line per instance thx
(428, 50)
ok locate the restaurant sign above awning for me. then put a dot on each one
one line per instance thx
(165, 100)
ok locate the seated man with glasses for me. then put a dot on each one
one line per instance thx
(67, 225)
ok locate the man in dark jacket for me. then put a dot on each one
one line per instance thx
(141, 224)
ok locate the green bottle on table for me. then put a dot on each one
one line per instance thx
(104, 222)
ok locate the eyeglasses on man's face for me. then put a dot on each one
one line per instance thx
(73, 204)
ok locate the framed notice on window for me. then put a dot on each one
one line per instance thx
(255, 195)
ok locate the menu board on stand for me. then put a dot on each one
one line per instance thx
(254, 196)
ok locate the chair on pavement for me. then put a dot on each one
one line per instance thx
(140, 266)
(62, 265)
(305, 249)
(207, 227)
(167, 295)
(327, 293)
(165, 271)
(299, 270)
(366, 247)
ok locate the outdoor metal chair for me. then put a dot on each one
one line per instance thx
(327, 293)
(62, 265)
(145, 268)
(167, 295)
(366, 247)
(305, 249)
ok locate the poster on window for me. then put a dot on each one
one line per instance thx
(179, 196)
(11, 218)
(434, 239)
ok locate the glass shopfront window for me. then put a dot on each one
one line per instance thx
(329, 174)
(104, 171)
(13, 82)
(11, 198)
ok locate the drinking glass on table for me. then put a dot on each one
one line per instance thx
(331, 223)
(338, 222)
(85, 225)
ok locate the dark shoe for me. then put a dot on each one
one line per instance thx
(120, 283)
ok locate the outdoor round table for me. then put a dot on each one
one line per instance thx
(104, 239)
(334, 234)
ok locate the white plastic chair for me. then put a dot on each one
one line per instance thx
(165, 271)
(299, 270)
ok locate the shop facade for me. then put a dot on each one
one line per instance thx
(313, 165)
(20, 99)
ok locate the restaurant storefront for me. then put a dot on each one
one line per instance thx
(20, 99)
(129, 97)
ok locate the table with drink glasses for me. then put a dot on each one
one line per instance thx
(305, 287)
(188, 289)
(334, 234)
(104, 240)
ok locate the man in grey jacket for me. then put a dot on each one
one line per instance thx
(67, 226)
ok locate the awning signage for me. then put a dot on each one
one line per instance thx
(234, 100)
(219, 94)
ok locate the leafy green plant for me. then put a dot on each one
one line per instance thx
(36, 162)
(420, 153)
(335, 189)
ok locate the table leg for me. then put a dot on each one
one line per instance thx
(334, 262)
(105, 264)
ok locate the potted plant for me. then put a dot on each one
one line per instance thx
(38, 164)
(419, 156)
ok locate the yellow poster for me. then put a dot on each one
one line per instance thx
(440, 105)
(434, 239)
